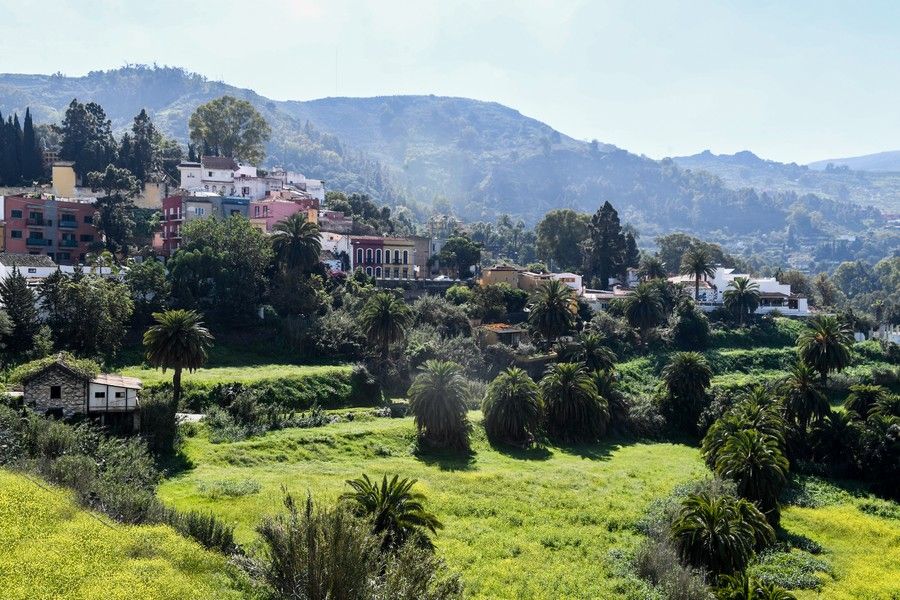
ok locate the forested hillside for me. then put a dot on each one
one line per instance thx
(486, 159)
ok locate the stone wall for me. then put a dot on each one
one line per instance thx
(74, 391)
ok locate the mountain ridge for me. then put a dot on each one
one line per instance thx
(484, 157)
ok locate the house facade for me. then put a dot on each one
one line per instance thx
(773, 296)
(61, 391)
(179, 209)
(226, 177)
(61, 229)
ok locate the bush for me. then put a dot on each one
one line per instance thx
(75, 471)
(159, 423)
(690, 327)
(644, 419)
(657, 562)
(208, 530)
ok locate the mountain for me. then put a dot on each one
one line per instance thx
(485, 158)
(881, 161)
(745, 169)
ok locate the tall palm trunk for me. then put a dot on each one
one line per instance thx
(697, 288)
(176, 387)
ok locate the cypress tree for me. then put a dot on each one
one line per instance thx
(19, 301)
(606, 247)
(32, 161)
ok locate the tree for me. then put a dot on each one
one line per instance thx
(826, 292)
(114, 214)
(462, 253)
(221, 267)
(32, 161)
(512, 408)
(590, 349)
(178, 340)
(559, 237)
(719, 532)
(149, 286)
(651, 267)
(825, 345)
(554, 309)
(686, 378)
(742, 586)
(606, 250)
(804, 399)
(87, 138)
(697, 262)
(690, 327)
(139, 152)
(643, 309)
(756, 463)
(230, 127)
(296, 243)
(862, 399)
(437, 403)
(384, 320)
(396, 512)
(19, 302)
(742, 297)
(575, 411)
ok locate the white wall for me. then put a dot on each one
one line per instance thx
(120, 398)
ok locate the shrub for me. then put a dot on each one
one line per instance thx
(658, 563)
(205, 528)
(228, 488)
(436, 399)
(159, 423)
(690, 327)
(645, 419)
(75, 471)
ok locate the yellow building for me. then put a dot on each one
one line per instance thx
(501, 274)
(64, 178)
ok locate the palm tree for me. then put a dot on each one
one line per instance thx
(686, 378)
(804, 400)
(825, 345)
(512, 408)
(643, 308)
(833, 437)
(719, 532)
(178, 340)
(651, 267)
(554, 309)
(385, 319)
(436, 399)
(741, 586)
(756, 463)
(698, 262)
(396, 512)
(296, 242)
(590, 348)
(742, 297)
(886, 406)
(863, 398)
(754, 412)
(575, 411)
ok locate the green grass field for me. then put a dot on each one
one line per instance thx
(50, 548)
(536, 524)
(229, 374)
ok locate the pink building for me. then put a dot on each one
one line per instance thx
(265, 213)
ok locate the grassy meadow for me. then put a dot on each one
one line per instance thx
(51, 548)
(518, 524)
(212, 375)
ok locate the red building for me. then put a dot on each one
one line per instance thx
(367, 253)
(61, 229)
(169, 237)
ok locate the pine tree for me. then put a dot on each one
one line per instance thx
(11, 173)
(144, 140)
(632, 254)
(32, 161)
(19, 301)
(605, 252)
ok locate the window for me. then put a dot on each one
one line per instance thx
(377, 271)
(99, 394)
(406, 257)
(369, 271)
(396, 272)
(199, 211)
(16, 235)
(210, 173)
(359, 255)
(86, 237)
(396, 257)
(16, 214)
(32, 271)
(120, 394)
(378, 256)
(89, 219)
(405, 273)
(245, 191)
(368, 255)
(55, 392)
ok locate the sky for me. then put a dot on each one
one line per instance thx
(792, 81)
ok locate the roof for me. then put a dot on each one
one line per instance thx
(503, 268)
(502, 328)
(117, 380)
(219, 162)
(8, 259)
(63, 163)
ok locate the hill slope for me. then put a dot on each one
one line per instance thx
(50, 548)
(880, 161)
(485, 158)
(745, 169)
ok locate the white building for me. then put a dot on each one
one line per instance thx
(226, 177)
(313, 187)
(773, 296)
(36, 267)
(333, 245)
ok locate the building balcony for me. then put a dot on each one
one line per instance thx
(38, 242)
(68, 243)
(68, 223)
(38, 222)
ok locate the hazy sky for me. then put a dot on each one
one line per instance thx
(790, 80)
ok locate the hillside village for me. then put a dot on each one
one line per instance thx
(203, 347)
